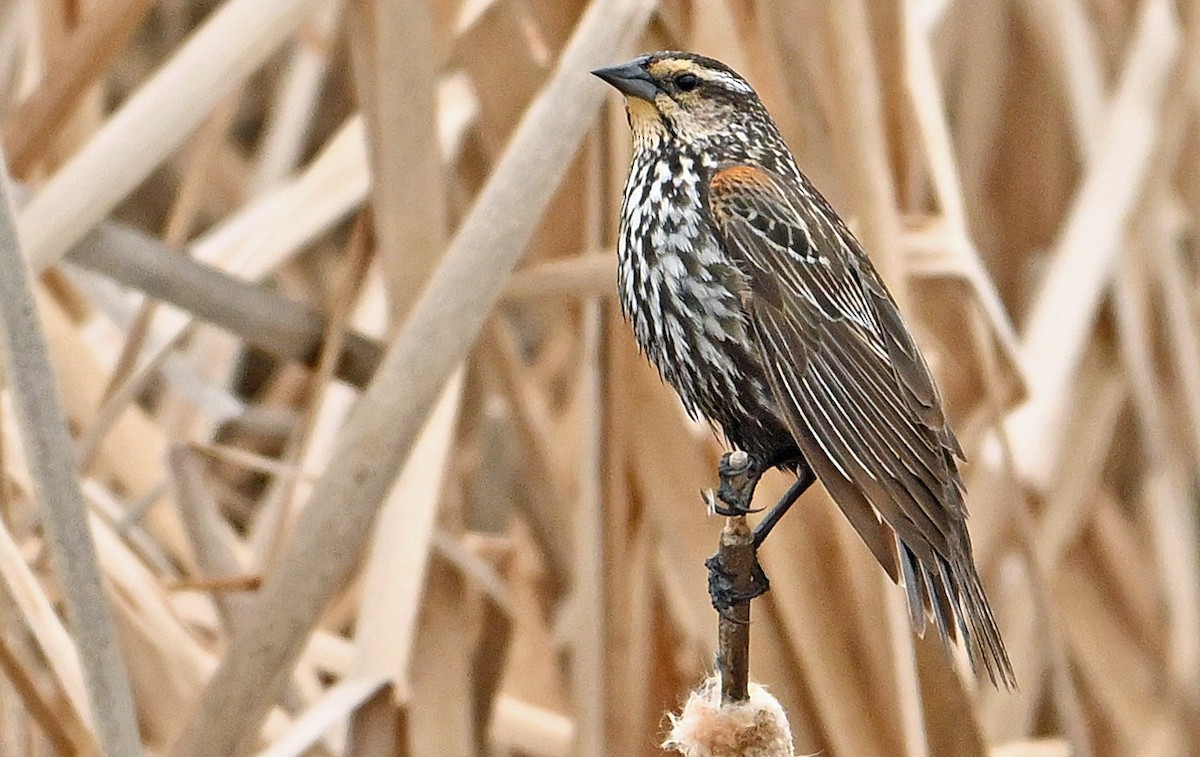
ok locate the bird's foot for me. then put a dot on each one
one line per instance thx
(740, 472)
(723, 587)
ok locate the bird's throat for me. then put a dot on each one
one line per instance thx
(645, 120)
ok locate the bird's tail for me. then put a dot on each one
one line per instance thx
(952, 593)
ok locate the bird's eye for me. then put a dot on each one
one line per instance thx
(686, 82)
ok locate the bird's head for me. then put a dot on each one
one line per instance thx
(684, 96)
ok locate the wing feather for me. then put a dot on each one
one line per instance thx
(858, 397)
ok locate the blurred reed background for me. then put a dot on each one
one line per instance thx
(233, 208)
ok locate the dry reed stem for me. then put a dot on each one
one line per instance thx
(214, 543)
(543, 470)
(862, 145)
(179, 224)
(273, 227)
(855, 725)
(382, 428)
(51, 460)
(134, 449)
(400, 56)
(264, 318)
(216, 58)
(924, 92)
(79, 63)
(525, 729)
(396, 565)
(170, 663)
(589, 652)
(590, 274)
(1174, 525)
(46, 628)
(667, 459)
(39, 709)
(286, 492)
(296, 98)
(1087, 250)
(338, 702)
(908, 681)
(994, 129)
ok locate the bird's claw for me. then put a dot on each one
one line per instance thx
(716, 504)
(739, 474)
(732, 512)
(722, 592)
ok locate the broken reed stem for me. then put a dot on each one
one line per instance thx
(736, 555)
(263, 318)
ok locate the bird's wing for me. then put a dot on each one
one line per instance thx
(856, 395)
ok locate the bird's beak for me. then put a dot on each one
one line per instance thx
(630, 79)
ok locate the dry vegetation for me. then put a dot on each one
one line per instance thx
(372, 465)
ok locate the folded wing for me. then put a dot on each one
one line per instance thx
(858, 398)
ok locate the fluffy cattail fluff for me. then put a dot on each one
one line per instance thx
(706, 727)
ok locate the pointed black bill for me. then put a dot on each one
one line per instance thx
(630, 79)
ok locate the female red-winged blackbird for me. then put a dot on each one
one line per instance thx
(761, 309)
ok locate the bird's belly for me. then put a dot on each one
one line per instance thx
(687, 316)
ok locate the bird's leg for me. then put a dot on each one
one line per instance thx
(804, 479)
(735, 581)
(739, 477)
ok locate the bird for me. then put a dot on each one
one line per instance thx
(756, 303)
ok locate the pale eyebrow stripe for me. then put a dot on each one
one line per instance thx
(726, 80)
(674, 66)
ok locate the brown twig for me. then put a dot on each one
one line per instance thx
(735, 565)
(736, 553)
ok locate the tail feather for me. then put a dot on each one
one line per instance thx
(943, 617)
(951, 592)
(918, 599)
(987, 647)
